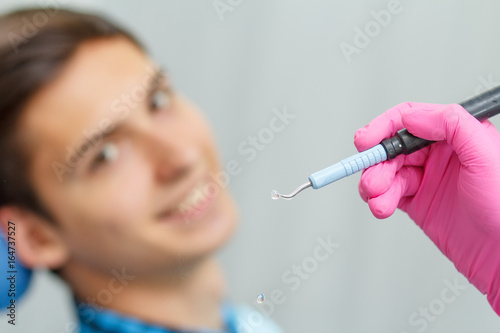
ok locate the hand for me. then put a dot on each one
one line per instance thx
(451, 189)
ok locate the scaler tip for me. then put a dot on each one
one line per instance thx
(275, 195)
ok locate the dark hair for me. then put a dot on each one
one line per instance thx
(35, 44)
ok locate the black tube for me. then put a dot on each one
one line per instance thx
(482, 107)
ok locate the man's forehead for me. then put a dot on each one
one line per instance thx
(83, 94)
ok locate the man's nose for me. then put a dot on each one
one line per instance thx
(173, 155)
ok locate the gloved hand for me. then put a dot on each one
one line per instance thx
(451, 189)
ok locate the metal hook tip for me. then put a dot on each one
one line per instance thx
(276, 195)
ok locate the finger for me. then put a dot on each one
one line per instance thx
(385, 125)
(378, 178)
(491, 129)
(470, 139)
(374, 174)
(406, 183)
(417, 158)
(362, 193)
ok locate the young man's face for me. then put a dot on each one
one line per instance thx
(143, 196)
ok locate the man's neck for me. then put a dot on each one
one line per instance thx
(190, 300)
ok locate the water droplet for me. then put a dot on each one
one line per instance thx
(275, 195)
(261, 298)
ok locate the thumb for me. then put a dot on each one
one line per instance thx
(452, 123)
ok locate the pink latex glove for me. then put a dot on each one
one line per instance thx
(451, 189)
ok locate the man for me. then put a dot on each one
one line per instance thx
(110, 179)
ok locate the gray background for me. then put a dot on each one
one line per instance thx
(274, 54)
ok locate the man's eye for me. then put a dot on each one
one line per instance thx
(160, 100)
(108, 153)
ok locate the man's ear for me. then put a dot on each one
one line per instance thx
(38, 242)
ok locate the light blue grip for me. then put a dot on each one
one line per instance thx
(348, 166)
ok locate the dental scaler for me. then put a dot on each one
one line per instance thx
(482, 107)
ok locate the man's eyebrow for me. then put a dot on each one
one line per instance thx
(90, 141)
(159, 76)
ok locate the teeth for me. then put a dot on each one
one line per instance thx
(194, 199)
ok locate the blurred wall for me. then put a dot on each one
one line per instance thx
(243, 63)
